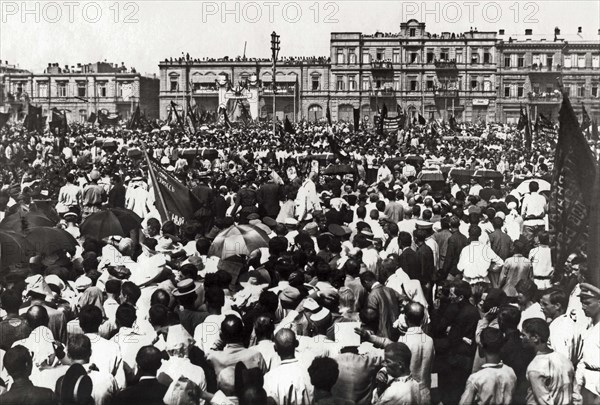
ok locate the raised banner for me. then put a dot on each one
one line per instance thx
(572, 194)
(174, 200)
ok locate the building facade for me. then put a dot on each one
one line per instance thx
(81, 90)
(7, 69)
(473, 75)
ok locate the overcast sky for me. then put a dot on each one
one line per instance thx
(142, 33)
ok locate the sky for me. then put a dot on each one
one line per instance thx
(141, 33)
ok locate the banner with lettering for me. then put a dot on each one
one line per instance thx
(173, 199)
(572, 196)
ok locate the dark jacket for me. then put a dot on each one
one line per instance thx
(116, 196)
(23, 392)
(268, 199)
(456, 243)
(426, 263)
(410, 263)
(146, 392)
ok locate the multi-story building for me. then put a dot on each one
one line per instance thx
(7, 69)
(473, 75)
(532, 68)
(83, 89)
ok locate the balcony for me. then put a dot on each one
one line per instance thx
(445, 66)
(382, 66)
(545, 98)
(445, 93)
(280, 90)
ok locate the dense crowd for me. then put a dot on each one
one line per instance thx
(367, 283)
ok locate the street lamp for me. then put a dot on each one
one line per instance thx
(274, 53)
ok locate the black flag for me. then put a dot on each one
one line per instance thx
(572, 196)
(585, 119)
(4, 119)
(522, 120)
(288, 127)
(528, 135)
(92, 118)
(453, 124)
(594, 131)
(356, 116)
(328, 114)
(422, 120)
(134, 122)
(336, 149)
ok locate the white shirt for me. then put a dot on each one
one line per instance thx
(207, 333)
(561, 335)
(290, 373)
(397, 280)
(106, 355)
(541, 264)
(590, 379)
(533, 204)
(476, 259)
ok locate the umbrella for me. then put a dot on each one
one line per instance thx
(110, 222)
(210, 154)
(488, 174)
(339, 169)
(21, 221)
(461, 176)
(415, 160)
(134, 153)
(524, 187)
(14, 248)
(48, 240)
(238, 240)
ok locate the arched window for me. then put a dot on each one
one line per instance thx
(315, 112)
(345, 113)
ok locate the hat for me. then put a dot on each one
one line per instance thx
(252, 216)
(165, 160)
(311, 228)
(425, 225)
(290, 297)
(501, 214)
(94, 175)
(310, 304)
(71, 216)
(82, 283)
(589, 291)
(53, 279)
(37, 285)
(124, 244)
(120, 272)
(165, 244)
(270, 222)
(291, 221)
(149, 270)
(511, 205)
(322, 316)
(336, 230)
(184, 287)
(75, 387)
(178, 339)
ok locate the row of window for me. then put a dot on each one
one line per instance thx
(547, 60)
(79, 89)
(349, 83)
(573, 90)
(478, 55)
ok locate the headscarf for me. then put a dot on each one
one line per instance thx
(92, 296)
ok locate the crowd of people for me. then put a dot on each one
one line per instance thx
(370, 285)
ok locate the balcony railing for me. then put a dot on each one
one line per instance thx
(536, 69)
(381, 65)
(445, 93)
(445, 65)
(546, 98)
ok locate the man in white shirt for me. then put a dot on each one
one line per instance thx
(477, 259)
(562, 327)
(533, 211)
(290, 377)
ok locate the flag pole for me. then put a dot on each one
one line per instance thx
(155, 183)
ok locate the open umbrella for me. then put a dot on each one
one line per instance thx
(21, 221)
(48, 240)
(110, 222)
(489, 175)
(431, 175)
(14, 248)
(238, 240)
(524, 187)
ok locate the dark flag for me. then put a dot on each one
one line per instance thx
(92, 118)
(42, 123)
(134, 122)
(382, 117)
(453, 124)
(545, 121)
(422, 120)
(356, 116)
(572, 198)
(4, 119)
(32, 120)
(585, 119)
(522, 120)
(328, 114)
(594, 131)
(174, 200)
(174, 109)
(287, 126)
(528, 135)
(336, 149)
(593, 253)
(59, 121)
